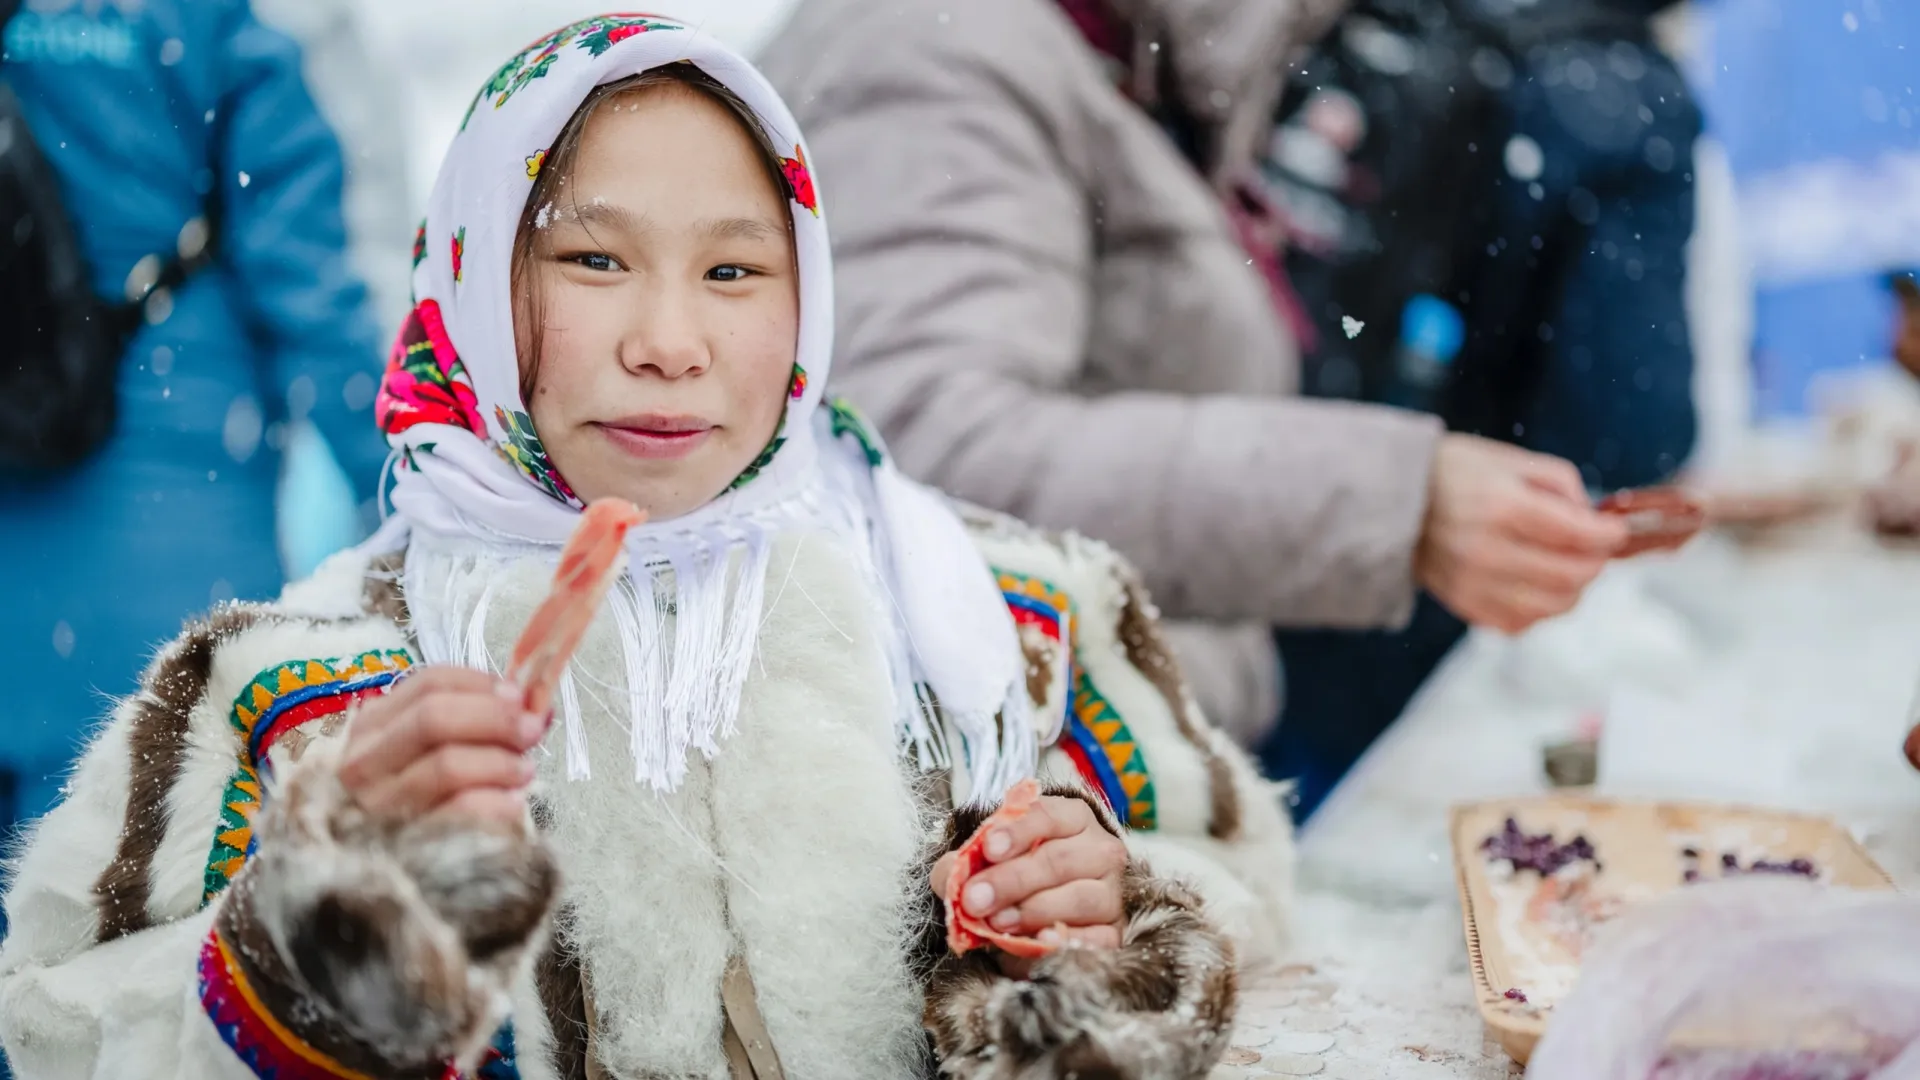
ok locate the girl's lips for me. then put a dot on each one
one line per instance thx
(656, 444)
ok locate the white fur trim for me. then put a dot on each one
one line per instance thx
(818, 822)
(50, 902)
(532, 1037)
(792, 848)
(129, 1008)
(335, 589)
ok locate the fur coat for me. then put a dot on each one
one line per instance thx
(207, 903)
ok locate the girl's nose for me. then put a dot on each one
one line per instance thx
(664, 336)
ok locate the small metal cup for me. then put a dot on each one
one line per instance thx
(1573, 763)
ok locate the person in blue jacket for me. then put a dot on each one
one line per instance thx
(145, 109)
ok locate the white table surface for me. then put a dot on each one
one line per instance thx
(1778, 674)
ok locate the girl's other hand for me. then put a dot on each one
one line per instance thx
(447, 741)
(1055, 873)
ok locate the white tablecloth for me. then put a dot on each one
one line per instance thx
(1775, 675)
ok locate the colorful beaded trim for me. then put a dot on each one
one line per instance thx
(1094, 736)
(499, 1063)
(233, 834)
(265, 1045)
(278, 700)
(288, 695)
(261, 1042)
(1108, 747)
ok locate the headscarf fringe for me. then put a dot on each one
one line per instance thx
(683, 684)
(684, 681)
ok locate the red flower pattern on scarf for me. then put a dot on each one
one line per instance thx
(425, 382)
(800, 179)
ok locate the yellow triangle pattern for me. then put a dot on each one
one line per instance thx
(268, 686)
(1089, 707)
(233, 833)
(1034, 588)
(1122, 751)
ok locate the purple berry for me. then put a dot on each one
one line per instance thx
(1539, 853)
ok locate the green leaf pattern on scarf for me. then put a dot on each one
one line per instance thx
(528, 454)
(765, 459)
(848, 423)
(595, 35)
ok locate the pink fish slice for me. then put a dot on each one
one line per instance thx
(587, 567)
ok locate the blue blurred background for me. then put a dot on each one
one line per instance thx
(1814, 104)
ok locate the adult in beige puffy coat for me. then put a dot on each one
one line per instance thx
(1025, 262)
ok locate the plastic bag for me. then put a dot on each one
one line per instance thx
(1750, 979)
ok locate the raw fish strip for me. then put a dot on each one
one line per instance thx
(587, 566)
(1658, 518)
(966, 932)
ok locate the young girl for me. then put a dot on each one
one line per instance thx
(323, 841)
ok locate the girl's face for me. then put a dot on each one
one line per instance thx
(668, 305)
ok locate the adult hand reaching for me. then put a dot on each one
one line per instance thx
(1510, 536)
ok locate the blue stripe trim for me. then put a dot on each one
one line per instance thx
(1102, 765)
(1038, 607)
(302, 696)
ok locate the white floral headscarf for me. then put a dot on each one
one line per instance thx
(473, 483)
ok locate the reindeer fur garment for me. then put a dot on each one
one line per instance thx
(804, 849)
(797, 846)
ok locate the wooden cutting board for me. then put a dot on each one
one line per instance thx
(1519, 941)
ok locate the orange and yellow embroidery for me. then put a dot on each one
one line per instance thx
(1093, 736)
(278, 700)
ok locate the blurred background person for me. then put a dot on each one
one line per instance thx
(158, 118)
(1493, 203)
(1051, 230)
(1502, 194)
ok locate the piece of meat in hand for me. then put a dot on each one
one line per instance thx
(587, 566)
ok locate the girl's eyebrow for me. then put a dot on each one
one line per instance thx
(624, 220)
(600, 212)
(740, 228)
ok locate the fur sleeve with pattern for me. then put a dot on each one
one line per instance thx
(147, 936)
(1159, 1007)
(1120, 719)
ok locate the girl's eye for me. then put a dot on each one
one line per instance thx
(594, 260)
(729, 272)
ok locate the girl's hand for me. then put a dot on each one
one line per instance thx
(1056, 873)
(447, 740)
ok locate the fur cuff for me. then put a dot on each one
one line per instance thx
(1160, 1007)
(389, 947)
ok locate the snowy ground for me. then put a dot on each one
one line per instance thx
(444, 49)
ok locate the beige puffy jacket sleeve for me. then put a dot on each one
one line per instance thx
(955, 144)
